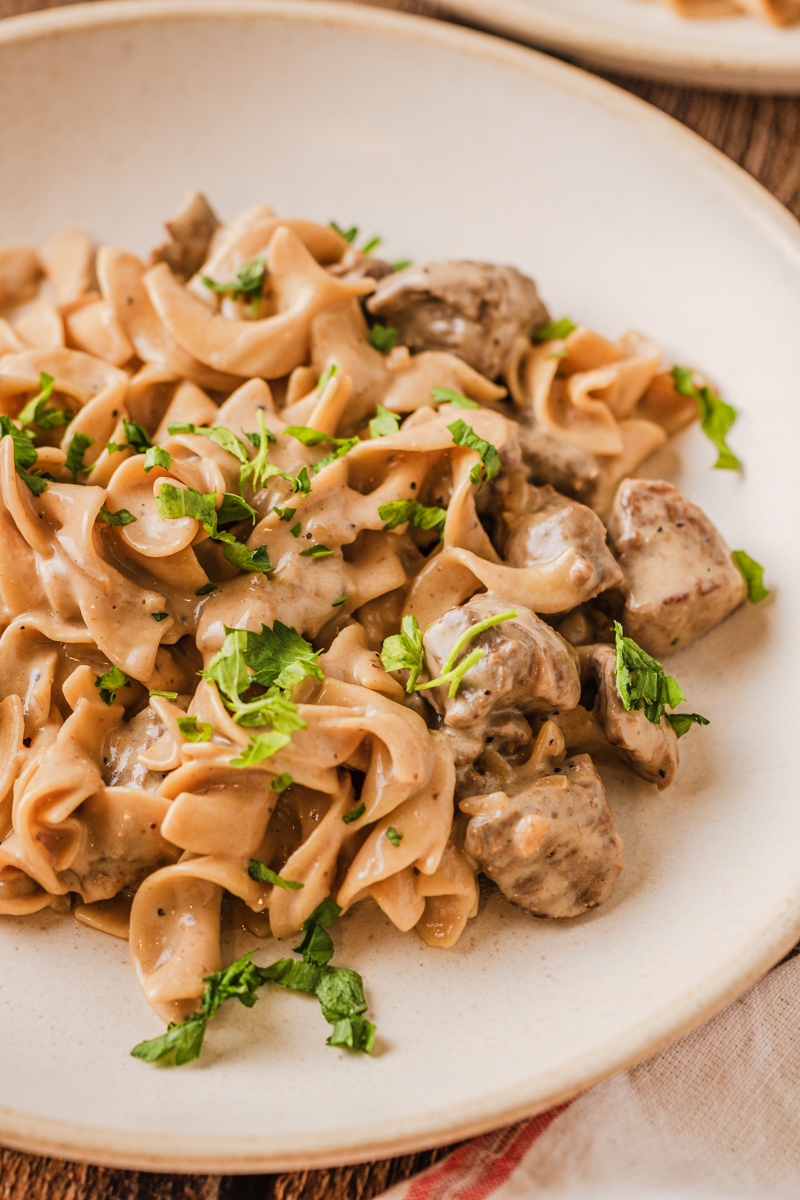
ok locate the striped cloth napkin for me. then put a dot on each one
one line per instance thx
(714, 1117)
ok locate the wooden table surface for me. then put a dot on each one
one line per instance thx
(762, 134)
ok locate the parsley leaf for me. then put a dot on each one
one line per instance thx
(78, 446)
(110, 683)
(396, 512)
(156, 456)
(219, 434)
(716, 417)
(384, 423)
(36, 411)
(753, 574)
(194, 730)
(285, 514)
(313, 437)
(315, 551)
(553, 331)
(642, 684)
(120, 517)
(166, 695)
(262, 874)
(341, 600)
(25, 454)
(394, 836)
(206, 589)
(249, 282)
(281, 657)
(448, 396)
(682, 722)
(261, 469)
(371, 245)
(173, 502)
(349, 235)
(296, 530)
(382, 337)
(354, 813)
(234, 508)
(160, 616)
(282, 782)
(401, 264)
(403, 651)
(325, 378)
(488, 467)
(453, 672)
(247, 560)
(302, 483)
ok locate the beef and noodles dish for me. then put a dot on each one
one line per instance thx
(325, 580)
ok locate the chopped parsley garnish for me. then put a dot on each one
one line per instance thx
(120, 517)
(383, 338)
(394, 836)
(339, 991)
(285, 514)
(716, 417)
(401, 264)
(78, 446)
(325, 378)
(403, 652)
(139, 440)
(110, 683)
(349, 235)
(371, 245)
(249, 283)
(302, 484)
(488, 467)
(166, 695)
(249, 561)
(296, 530)
(396, 512)
(156, 456)
(277, 659)
(448, 396)
(36, 411)
(453, 672)
(553, 331)
(194, 730)
(234, 508)
(161, 616)
(341, 600)
(173, 502)
(206, 589)
(315, 551)
(261, 469)
(642, 684)
(753, 574)
(262, 874)
(25, 454)
(219, 434)
(384, 424)
(281, 782)
(354, 813)
(313, 437)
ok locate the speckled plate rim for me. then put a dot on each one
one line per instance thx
(638, 51)
(181, 1153)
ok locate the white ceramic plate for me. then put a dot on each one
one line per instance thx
(451, 144)
(648, 39)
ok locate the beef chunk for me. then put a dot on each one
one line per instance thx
(190, 232)
(551, 847)
(548, 524)
(526, 667)
(679, 577)
(474, 310)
